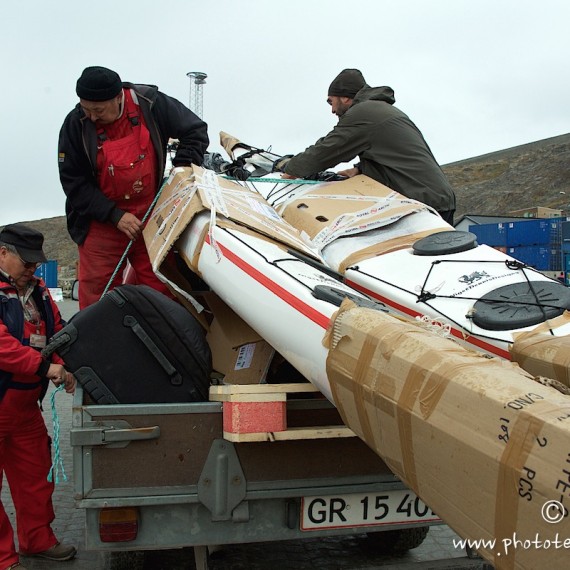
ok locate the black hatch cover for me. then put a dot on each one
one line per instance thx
(521, 305)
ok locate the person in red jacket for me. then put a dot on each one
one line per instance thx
(28, 318)
(111, 158)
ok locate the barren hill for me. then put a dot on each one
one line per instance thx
(534, 174)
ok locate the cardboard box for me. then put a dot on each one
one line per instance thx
(238, 352)
(481, 442)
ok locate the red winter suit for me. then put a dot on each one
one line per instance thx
(111, 169)
(25, 456)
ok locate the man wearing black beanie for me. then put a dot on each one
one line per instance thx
(390, 147)
(112, 156)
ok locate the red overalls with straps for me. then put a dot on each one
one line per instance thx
(126, 172)
(26, 460)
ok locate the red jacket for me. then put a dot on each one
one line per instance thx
(21, 366)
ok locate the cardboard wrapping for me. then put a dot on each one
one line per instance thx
(543, 354)
(192, 190)
(343, 209)
(383, 247)
(482, 443)
(336, 209)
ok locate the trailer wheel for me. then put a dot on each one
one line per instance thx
(126, 560)
(398, 541)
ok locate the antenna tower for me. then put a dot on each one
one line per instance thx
(197, 80)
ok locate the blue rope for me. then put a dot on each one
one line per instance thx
(279, 180)
(57, 460)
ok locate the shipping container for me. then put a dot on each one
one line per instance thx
(534, 232)
(542, 258)
(48, 272)
(490, 234)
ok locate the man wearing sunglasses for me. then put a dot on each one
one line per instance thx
(28, 319)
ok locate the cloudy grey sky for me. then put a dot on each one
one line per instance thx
(475, 75)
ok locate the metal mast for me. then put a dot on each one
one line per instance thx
(197, 80)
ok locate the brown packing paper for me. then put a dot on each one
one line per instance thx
(381, 248)
(189, 191)
(362, 196)
(476, 438)
(543, 354)
(320, 209)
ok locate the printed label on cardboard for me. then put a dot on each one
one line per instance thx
(245, 356)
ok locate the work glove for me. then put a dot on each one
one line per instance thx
(280, 163)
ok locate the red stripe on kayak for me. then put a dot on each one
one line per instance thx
(487, 347)
(302, 307)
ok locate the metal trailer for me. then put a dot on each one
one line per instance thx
(162, 476)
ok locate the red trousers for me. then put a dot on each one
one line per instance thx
(98, 257)
(25, 459)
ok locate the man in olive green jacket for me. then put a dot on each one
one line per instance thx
(390, 147)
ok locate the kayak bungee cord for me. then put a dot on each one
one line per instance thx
(425, 295)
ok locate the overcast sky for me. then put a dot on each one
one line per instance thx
(475, 76)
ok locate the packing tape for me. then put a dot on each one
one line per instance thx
(522, 438)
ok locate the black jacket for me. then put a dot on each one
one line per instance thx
(391, 149)
(165, 118)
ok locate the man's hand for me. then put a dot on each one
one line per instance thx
(280, 163)
(130, 225)
(349, 172)
(288, 176)
(59, 375)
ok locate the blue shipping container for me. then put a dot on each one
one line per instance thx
(48, 272)
(490, 234)
(542, 258)
(534, 232)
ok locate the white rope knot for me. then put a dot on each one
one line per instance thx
(435, 325)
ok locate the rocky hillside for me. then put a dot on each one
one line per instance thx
(534, 174)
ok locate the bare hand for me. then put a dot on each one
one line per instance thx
(59, 375)
(288, 176)
(349, 172)
(130, 225)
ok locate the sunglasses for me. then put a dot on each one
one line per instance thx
(29, 264)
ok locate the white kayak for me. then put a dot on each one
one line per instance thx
(401, 253)
(434, 411)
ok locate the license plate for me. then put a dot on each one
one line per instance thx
(366, 509)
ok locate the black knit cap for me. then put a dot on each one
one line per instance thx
(98, 84)
(347, 83)
(27, 241)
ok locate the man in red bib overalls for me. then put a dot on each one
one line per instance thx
(28, 319)
(112, 156)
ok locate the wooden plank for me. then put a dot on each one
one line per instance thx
(226, 389)
(323, 432)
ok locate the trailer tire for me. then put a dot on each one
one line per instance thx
(126, 560)
(397, 541)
